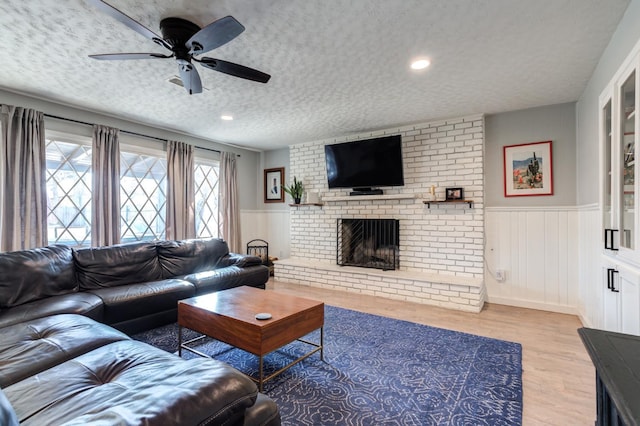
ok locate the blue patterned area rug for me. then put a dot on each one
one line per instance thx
(382, 371)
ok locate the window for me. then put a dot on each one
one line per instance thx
(68, 190)
(143, 181)
(206, 198)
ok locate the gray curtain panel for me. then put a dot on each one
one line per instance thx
(105, 199)
(228, 207)
(180, 191)
(23, 197)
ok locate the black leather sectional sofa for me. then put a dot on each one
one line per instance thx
(132, 287)
(64, 357)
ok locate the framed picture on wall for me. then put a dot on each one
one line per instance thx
(273, 179)
(454, 194)
(528, 169)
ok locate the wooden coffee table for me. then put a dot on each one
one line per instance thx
(230, 316)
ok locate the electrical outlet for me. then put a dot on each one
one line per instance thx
(500, 275)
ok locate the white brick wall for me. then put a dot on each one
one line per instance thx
(461, 293)
(446, 240)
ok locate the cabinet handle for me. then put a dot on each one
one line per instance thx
(608, 239)
(613, 281)
(609, 277)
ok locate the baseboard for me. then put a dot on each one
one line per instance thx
(541, 306)
(585, 321)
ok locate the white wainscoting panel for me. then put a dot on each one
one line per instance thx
(269, 225)
(537, 247)
(590, 304)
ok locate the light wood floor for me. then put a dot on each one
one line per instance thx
(558, 377)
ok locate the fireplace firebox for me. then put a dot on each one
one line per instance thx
(369, 243)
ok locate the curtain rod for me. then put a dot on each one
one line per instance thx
(128, 132)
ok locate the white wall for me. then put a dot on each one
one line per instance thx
(269, 225)
(442, 239)
(537, 247)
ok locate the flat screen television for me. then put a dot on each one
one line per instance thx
(365, 164)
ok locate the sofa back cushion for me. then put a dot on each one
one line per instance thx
(101, 267)
(190, 256)
(33, 274)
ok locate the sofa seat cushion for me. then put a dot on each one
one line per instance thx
(132, 383)
(111, 266)
(229, 277)
(82, 303)
(31, 347)
(126, 302)
(33, 274)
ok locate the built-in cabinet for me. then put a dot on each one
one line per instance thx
(620, 260)
(620, 296)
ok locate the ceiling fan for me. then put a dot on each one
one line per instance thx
(185, 40)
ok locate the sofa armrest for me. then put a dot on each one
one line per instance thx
(239, 260)
(7, 415)
(228, 277)
(264, 412)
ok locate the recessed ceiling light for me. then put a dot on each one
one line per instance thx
(420, 64)
(226, 117)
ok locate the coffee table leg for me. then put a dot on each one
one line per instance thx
(321, 343)
(261, 375)
(179, 341)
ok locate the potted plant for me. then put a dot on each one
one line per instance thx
(296, 190)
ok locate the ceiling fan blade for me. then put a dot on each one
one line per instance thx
(124, 56)
(214, 35)
(235, 70)
(190, 78)
(129, 22)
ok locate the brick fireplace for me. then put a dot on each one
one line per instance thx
(368, 243)
(440, 250)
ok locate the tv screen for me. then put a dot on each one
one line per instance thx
(365, 163)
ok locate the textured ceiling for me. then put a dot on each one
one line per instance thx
(337, 66)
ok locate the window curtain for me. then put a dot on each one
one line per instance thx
(23, 196)
(181, 222)
(228, 208)
(105, 199)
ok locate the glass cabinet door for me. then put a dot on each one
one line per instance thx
(608, 168)
(627, 151)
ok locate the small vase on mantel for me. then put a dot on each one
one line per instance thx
(296, 201)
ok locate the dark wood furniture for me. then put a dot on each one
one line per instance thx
(616, 357)
(230, 316)
(468, 202)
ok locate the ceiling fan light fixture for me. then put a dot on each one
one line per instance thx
(185, 39)
(420, 64)
(226, 117)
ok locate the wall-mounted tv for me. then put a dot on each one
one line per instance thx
(365, 164)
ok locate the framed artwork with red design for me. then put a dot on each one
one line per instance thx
(528, 169)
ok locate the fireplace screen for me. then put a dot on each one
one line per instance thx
(368, 243)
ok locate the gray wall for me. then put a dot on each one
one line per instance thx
(622, 42)
(553, 122)
(248, 162)
(269, 160)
